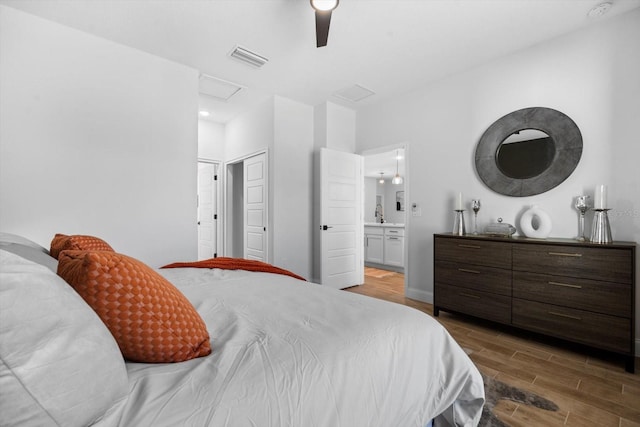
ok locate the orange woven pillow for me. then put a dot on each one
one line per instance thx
(151, 320)
(62, 242)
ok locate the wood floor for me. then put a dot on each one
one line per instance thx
(591, 389)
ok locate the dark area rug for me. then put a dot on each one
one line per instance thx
(496, 390)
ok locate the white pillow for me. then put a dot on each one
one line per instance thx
(7, 238)
(59, 365)
(32, 254)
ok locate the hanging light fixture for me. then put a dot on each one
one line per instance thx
(397, 179)
(381, 181)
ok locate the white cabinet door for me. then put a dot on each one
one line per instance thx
(373, 248)
(394, 251)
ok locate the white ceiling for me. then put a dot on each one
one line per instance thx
(388, 46)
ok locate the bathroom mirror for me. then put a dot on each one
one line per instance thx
(528, 152)
(400, 201)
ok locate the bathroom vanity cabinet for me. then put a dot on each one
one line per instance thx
(384, 245)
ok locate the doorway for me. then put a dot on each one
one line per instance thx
(246, 207)
(385, 220)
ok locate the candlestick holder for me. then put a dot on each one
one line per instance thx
(601, 231)
(458, 223)
(475, 205)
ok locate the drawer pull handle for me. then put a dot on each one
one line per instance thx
(470, 246)
(465, 270)
(568, 316)
(469, 295)
(566, 285)
(565, 254)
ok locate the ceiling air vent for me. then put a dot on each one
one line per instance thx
(248, 57)
(354, 93)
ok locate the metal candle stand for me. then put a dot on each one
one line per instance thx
(458, 223)
(601, 231)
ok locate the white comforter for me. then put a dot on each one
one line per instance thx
(291, 353)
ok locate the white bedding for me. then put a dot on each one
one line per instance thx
(291, 353)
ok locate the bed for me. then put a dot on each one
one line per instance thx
(284, 352)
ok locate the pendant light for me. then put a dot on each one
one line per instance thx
(397, 179)
(381, 181)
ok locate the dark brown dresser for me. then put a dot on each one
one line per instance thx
(579, 292)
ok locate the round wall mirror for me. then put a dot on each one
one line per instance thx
(525, 153)
(528, 152)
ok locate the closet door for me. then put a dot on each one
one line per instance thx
(207, 210)
(255, 208)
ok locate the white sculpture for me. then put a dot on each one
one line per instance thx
(535, 223)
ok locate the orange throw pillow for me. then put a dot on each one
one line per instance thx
(77, 242)
(151, 320)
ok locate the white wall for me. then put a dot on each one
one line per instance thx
(285, 129)
(96, 138)
(210, 140)
(334, 127)
(370, 190)
(251, 132)
(293, 186)
(590, 75)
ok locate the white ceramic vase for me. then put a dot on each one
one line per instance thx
(535, 223)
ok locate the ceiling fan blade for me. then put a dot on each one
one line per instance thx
(323, 19)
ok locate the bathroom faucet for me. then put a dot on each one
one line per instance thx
(379, 213)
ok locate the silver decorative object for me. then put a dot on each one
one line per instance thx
(582, 204)
(500, 229)
(601, 231)
(475, 205)
(458, 223)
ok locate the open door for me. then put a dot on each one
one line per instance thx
(341, 226)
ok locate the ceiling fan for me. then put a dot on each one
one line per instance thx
(323, 10)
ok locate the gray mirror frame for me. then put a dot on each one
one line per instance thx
(563, 131)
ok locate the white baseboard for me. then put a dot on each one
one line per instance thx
(419, 295)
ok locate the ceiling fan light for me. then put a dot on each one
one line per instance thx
(324, 5)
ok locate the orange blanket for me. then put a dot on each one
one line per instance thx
(235, 264)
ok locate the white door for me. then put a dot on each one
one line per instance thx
(207, 210)
(341, 224)
(255, 208)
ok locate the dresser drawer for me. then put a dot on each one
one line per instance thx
(607, 332)
(481, 278)
(476, 303)
(473, 251)
(584, 294)
(610, 265)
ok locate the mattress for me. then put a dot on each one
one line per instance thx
(293, 353)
